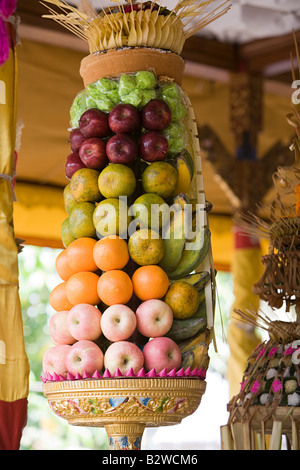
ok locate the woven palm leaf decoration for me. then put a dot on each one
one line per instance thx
(268, 403)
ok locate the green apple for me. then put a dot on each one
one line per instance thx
(127, 84)
(78, 107)
(103, 86)
(145, 80)
(134, 98)
(170, 90)
(175, 134)
(147, 95)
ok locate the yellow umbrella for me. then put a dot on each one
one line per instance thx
(14, 367)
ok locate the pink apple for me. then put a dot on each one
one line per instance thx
(59, 330)
(54, 359)
(73, 164)
(121, 148)
(153, 146)
(84, 356)
(160, 353)
(156, 115)
(123, 355)
(92, 153)
(124, 118)
(94, 123)
(76, 139)
(84, 322)
(118, 322)
(154, 318)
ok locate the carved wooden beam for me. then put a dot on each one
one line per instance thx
(249, 181)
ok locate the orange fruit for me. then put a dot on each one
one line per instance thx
(81, 288)
(183, 298)
(80, 254)
(84, 185)
(115, 287)
(63, 268)
(66, 235)
(111, 252)
(80, 221)
(58, 298)
(150, 282)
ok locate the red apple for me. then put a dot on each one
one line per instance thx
(94, 123)
(118, 322)
(76, 139)
(154, 318)
(59, 330)
(161, 353)
(124, 118)
(123, 355)
(156, 115)
(84, 356)
(54, 360)
(84, 322)
(153, 146)
(121, 148)
(73, 164)
(93, 153)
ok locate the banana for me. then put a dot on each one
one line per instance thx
(194, 351)
(191, 258)
(174, 242)
(181, 200)
(198, 280)
(191, 343)
(184, 329)
(201, 311)
(187, 359)
(201, 358)
(185, 169)
(196, 358)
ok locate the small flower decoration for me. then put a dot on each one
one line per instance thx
(7, 8)
(243, 385)
(276, 386)
(261, 353)
(255, 387)
(289, 350)
(272, 352)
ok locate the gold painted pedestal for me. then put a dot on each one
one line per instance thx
(125, 406)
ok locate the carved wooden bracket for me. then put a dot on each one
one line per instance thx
(249, 180)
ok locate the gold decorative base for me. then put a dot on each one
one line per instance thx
(125, 406)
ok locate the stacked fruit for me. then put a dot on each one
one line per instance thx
(127, 301)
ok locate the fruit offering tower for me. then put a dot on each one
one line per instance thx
(134, 312)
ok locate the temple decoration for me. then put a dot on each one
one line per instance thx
(267, 405)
